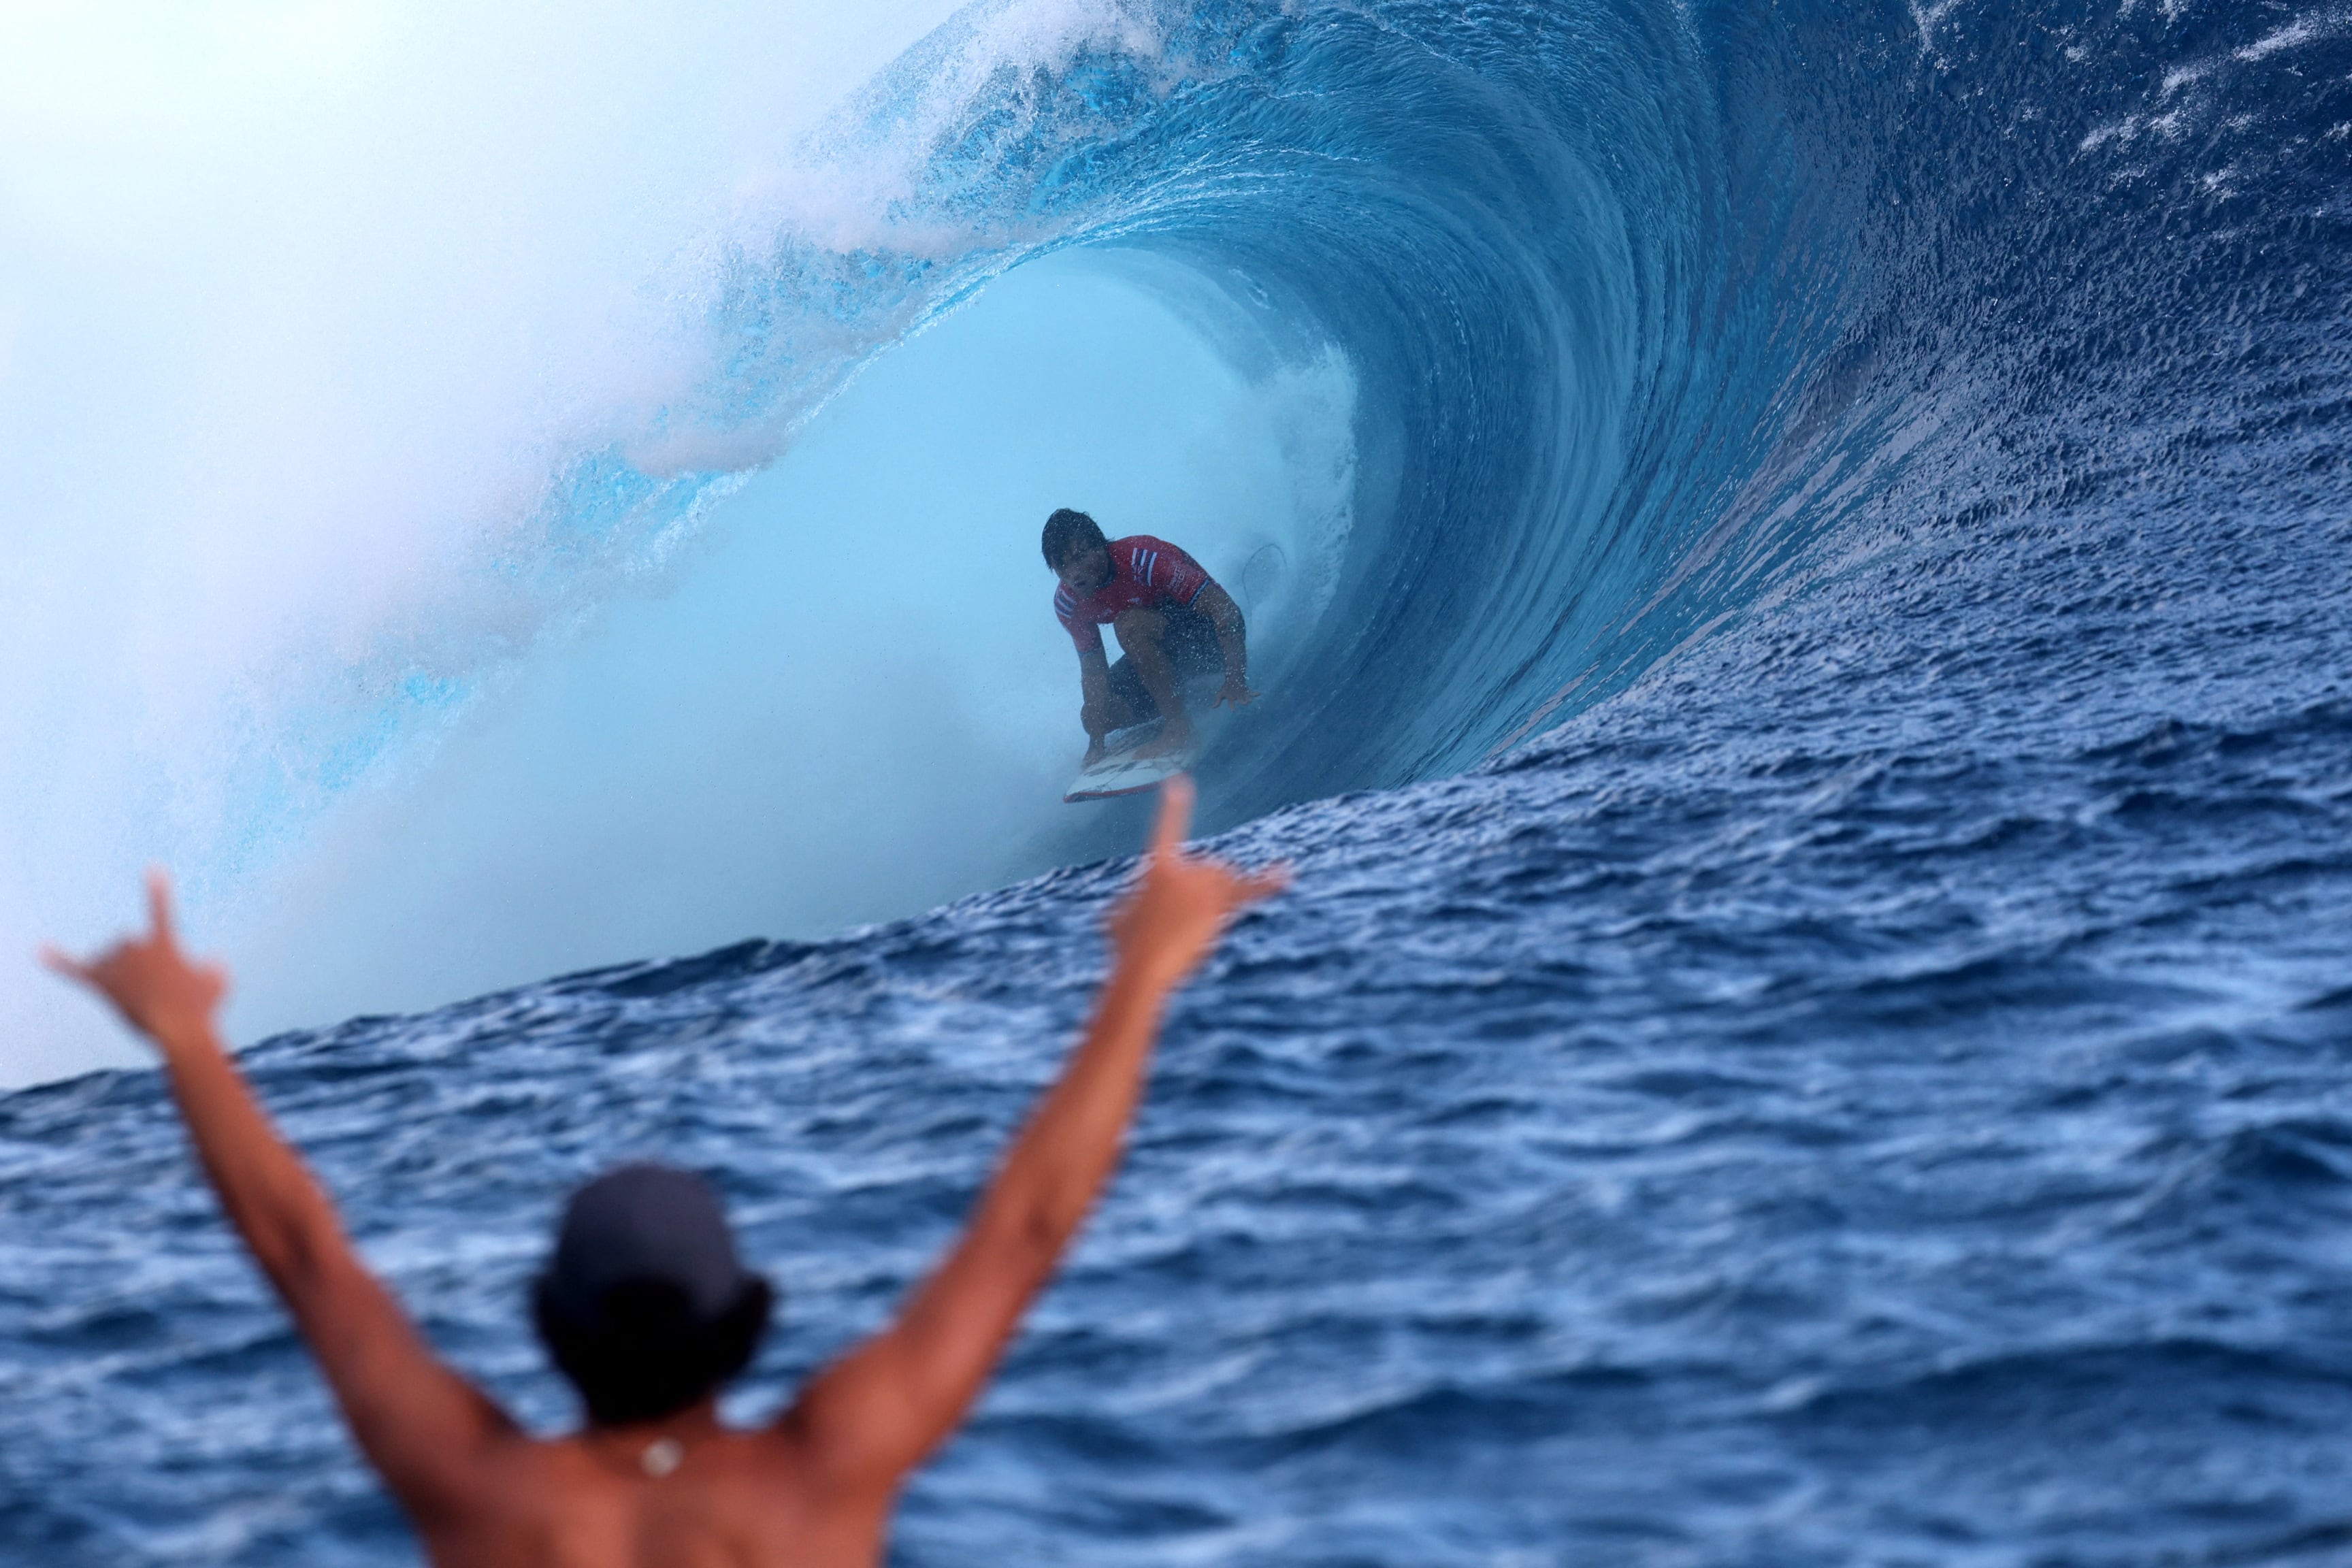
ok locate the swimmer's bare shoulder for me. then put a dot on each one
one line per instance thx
(679, 1490)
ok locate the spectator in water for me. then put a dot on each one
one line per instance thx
(646, 1307)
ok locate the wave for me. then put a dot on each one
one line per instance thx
(1653, 311)
(1589, 331)
(1642, 319)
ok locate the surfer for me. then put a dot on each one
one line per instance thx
(646, 1308)
(1175, 625)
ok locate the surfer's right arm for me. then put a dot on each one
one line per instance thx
(418, 1422)
(873, 1415)
(1093, 693)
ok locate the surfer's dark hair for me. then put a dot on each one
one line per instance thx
(1068, 531)
(644, 1353)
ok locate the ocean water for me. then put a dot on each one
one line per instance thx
(1812, 1023)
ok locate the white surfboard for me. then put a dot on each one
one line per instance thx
(1120, 771)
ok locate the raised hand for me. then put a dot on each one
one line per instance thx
(155, 987)
(424, 1428)
(1182, 902)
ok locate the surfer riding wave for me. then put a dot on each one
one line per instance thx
(1176, 627)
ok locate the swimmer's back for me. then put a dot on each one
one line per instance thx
(736, 1500)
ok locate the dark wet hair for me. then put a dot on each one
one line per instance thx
(646, 1353)
(1067, 532)
(645, 1305)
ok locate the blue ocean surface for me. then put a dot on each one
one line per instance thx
(1812, 1025)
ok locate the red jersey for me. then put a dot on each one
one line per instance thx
(1145, 572)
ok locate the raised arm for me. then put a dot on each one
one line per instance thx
(418, 1422)
(873, 1415)
(1232, 641)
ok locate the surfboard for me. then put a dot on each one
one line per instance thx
(1120, 771)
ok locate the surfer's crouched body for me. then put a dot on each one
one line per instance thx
(646, 1308)
(1175, 625)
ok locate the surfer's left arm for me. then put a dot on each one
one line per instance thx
(1232, 641)
(417, 1421)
